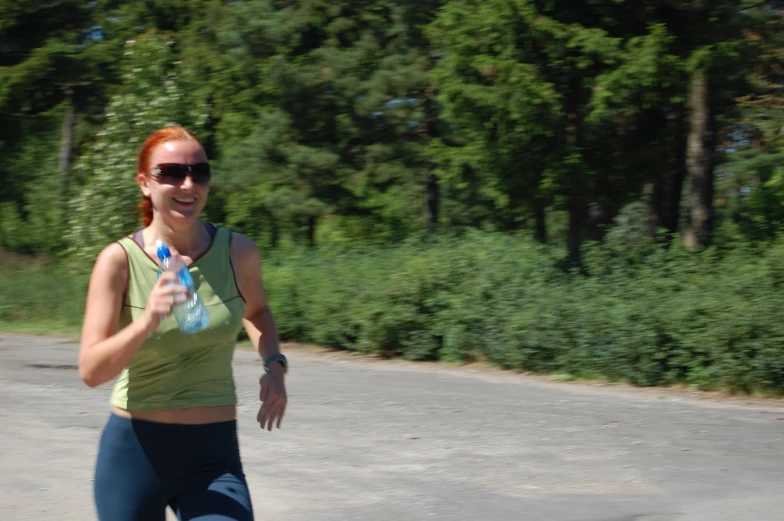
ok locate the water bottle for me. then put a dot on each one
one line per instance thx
(190, 313)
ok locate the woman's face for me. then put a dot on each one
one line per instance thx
(179, 197)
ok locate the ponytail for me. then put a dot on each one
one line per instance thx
(145, 210)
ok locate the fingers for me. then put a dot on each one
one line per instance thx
(167, 297)
(169, 285)
(167, 293)
(172, 290)
(271, 418)
(274, 400)
(166, 277)
(271, 412)
(267, 415)
(163, 306)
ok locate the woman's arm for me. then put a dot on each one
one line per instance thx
(104, 351)
(260, 326)
(258, 321)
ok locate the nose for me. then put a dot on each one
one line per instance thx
(187, 182)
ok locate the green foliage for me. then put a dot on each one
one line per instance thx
(35, 225)
(645, 315)
(752, 179)
(150, 97)
(336, 122)
(345, 124)
(538, 96)
(40, 292)
(338, 117)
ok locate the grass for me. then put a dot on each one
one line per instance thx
(41, 297)
(41, 329)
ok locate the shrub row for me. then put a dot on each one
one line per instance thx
(653, 317)
(644, 315)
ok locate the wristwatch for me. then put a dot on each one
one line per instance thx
(280, 358)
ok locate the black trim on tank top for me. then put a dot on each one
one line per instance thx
(234, 273)
(212, 230)
(138, 239)
(127, 272)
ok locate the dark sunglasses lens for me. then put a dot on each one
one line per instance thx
(171, 171)
(200, 173)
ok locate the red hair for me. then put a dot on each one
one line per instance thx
(160, 136)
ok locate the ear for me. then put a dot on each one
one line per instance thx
(143, 181)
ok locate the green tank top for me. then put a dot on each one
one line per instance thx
(172, 370)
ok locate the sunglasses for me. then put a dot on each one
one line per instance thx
(175, 172)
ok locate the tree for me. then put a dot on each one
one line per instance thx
(751, 181)
(713, 39)
(150, 97)
(339, 98)
(519, 82)
(54, 71)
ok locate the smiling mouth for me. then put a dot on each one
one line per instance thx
(188, 201)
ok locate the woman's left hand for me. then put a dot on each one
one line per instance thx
(273, 398)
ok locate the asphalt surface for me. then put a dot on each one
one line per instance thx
(387, 441)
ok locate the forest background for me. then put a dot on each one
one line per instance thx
(585, 189)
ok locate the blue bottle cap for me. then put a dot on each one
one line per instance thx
(163, 251)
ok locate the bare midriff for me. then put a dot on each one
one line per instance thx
(188, 415)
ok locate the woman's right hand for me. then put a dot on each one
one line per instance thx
(162, 299)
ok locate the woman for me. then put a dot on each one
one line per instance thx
(171, 437)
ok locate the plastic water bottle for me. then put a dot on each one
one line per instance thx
(190, 313)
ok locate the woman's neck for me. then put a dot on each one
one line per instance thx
(189, 242)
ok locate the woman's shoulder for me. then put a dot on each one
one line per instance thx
(114, 253)
(243, 251)
(242, 244)
(237, 241)
(112, 264)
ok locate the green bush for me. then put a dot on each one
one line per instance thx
(638, 313)
(653, 318)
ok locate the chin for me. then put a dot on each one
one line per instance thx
(182, 219)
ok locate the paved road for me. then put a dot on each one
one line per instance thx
(388, 441)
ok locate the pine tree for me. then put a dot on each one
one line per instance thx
(751, 181)
(516, 82)
(341, 95)
(53, 76)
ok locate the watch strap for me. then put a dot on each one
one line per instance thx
(277, 357)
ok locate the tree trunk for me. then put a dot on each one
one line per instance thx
(311, 231)
(574, 236)
(432, 202)
(652, 192)
(66, 142)
(672, 202)
(664, 194)
(576, 193)
(274, 232)
(700, 162)
(540, 225)
(596, 221)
